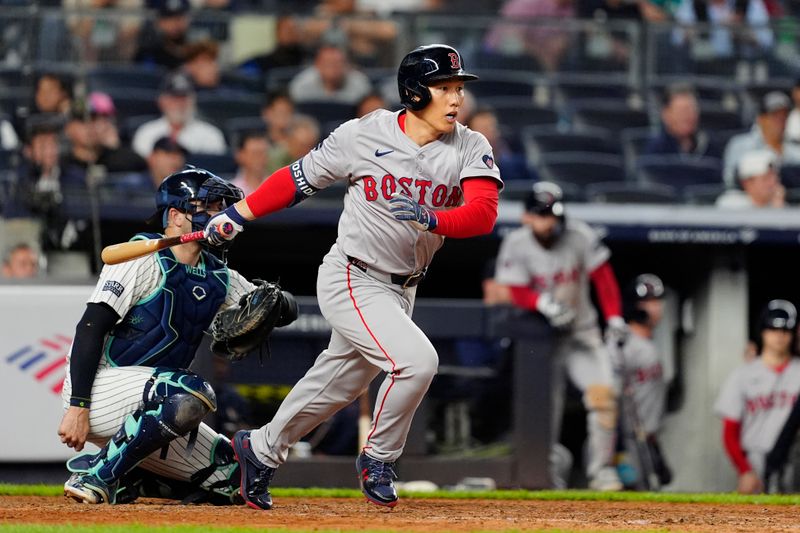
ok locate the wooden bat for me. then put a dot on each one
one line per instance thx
(114, 254)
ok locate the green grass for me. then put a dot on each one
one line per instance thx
(540, 495)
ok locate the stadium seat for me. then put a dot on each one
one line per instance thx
(703, 194)
(614, 115)
(327, 111)
(242, 82)
(628, 193)
(491, 60)
(234, 127)
(790, 176)
(575, 170)
(590, 90)
(278, 78)
(9, 159)
(221, 109)
(495, 83)
(129, 125)
(539, 140)
(108, 78)
(519, 112)
(716, 118)
(517, 189)
(679, 171)
(224, 165)
(13, 77)
(133, 102)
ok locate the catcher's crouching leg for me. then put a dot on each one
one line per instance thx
(174, 404)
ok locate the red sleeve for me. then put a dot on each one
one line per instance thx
(476, 216)
(524, 297)
(731, 429)
(276, 193)
(607, 288)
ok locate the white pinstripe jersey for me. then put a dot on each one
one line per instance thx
(378, 158)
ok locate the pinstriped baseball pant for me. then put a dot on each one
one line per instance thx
(372, 333)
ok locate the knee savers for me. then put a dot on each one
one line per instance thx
(174, 404)
(602, 400)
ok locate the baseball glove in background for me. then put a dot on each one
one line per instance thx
(240, 330)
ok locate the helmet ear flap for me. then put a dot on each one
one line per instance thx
(418, 95)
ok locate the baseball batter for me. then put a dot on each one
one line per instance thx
(548, 263)
(639, 365)
(413, 178)
(127, 390)
(757, 397)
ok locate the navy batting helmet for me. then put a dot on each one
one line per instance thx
(779, 314)
(545, 198)
(644, 287)
(192, 190)
(422, 67)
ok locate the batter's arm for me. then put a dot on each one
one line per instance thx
(478, 214)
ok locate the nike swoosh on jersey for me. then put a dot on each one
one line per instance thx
(378, 153)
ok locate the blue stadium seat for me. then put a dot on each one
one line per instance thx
(679, 171)
(221, 109)
(279, 78)
(790, 176)
(591, 90)
(234, 127)
(109, 78)
(133, 102)
(9, 159)
(717, 118)
(706, 194)
(497, 83)
(539, 140)
(575, 170)
(615, 115)
(224, 165)
(327, 111)
(520, 112)
(129, 125)
(627, 193)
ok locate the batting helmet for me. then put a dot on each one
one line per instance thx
(422, 67)
(545, 198)
(192, 190)
(644, 287)
(779, 314)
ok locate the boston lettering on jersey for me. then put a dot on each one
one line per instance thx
(648, 373)
(542, 282)
(420, 189)
(773, 400)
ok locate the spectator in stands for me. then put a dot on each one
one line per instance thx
(680, 120)
(82, 146)
(202, 65)
(547, 43)
(370, 103)
(8, 135)
(758, 176)
(165, 43)
(767, 133)
(303, 134)
(725, 17)
(167, 157)
(177, 104)
(111, 152)
(277, 112)
(793, 122)
(53, 94)
(513, 164)
(21, 261)
(252, 157)
(331, 78)
(288, 51)
(105, 37)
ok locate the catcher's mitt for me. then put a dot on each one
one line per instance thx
(239, 330)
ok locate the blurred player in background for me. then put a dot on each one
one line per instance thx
(548, 264)
(757, 397)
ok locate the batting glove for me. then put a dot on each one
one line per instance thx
(617, 330)
(557, 314)
(406, 208)
(230, 216)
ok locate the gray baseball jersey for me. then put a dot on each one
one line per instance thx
(562, 270)
(642, 365)
(370, 314)
(378, 158)
(761, 398)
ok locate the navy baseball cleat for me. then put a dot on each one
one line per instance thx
(377, 480)
(256, 476)
(86, 488)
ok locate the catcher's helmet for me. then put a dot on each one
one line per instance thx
(425, 65)
(779, 314)
(644, 287)
(545, 198)
(191, 190)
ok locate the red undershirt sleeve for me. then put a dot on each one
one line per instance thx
(607, 289)
(731, 431)
(276, 193)
(478, 214)
(524, 297)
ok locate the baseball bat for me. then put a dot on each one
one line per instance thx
(114, 254)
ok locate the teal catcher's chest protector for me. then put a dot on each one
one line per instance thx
(165, 328)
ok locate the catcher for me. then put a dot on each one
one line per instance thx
(127, 388)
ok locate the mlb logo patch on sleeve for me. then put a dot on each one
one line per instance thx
(114, 286)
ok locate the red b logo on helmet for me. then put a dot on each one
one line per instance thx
(454, 60)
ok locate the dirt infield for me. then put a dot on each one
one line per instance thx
(417, 515)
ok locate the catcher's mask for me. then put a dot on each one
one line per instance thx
(547, 199)
(644, 287)
(194, 191)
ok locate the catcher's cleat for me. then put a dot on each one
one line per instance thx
(86, 488)
(377, 480)
(256, 476)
